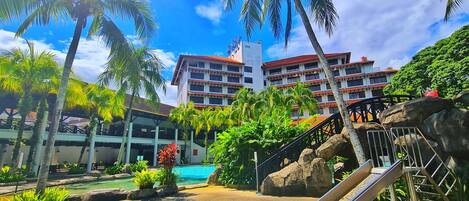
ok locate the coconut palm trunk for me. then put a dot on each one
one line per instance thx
(330, 79)
(93, 130)
(59, 104)
(25, 107)
(92, 126)
(120, 156)
(35, 141)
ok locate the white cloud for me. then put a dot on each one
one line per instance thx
(90, 59)
(212, 11)
(389, 32)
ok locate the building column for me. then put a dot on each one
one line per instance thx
(178, 157)
(155, 146)
(129, 144)
(191, 145)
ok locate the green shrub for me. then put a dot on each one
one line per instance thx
(145, 179)
(6, 176)
(166, 177)
(115, 169)
(234, 148)
(75, 168)
(139, 166)
(50, 194)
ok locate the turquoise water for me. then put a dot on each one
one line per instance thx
(187, 175)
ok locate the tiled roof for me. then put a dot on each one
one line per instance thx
(205, 58)
(145, 106)
(301, 59)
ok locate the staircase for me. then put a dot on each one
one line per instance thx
(366, 110)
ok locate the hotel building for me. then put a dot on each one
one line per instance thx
(213, 80)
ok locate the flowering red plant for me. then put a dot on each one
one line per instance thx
(168, 156)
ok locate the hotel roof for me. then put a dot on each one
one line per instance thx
(302, 59)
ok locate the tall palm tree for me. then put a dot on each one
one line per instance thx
(451, 6)
(255, 12)
(26, 70)
(272, 99)
(102, 103)
(204, 120)
(102, 13)
(142, 71)
(183, 115)
(302, 98)
(244, 105)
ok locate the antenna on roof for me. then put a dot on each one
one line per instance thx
(234, 44)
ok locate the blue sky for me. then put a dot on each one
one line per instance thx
(389, 32)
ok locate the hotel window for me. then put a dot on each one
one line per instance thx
(216, 78)
(352, 83)
(215, 101)
(232, 90)
(195, 87)
(216, 66)
(293, 68)
(276, 82)
(215, 89)
(380, 79)
(330, 98)
(353, 70)
(230, 101)
(275, 71)
(199, 64)
(343, 60)
(333, 110)
(233, 79)
(294, 113)
(265, 83)
(293, 79)
(197, 99)
(336, 73)
(311, 65)
(247, 79)
(321, 111)
(233, 68)
(318, 98)
(315, 87)
(197, 75)
(248, 69)
(377, 93)
(333, 61)
(314, 76)
(356, 95)
(339, 84)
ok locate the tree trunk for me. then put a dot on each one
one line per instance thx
(93, 128)
(39, 153)
(87, 140)
(206, 147)
(24, 107)
(330, 78)
(3, 150)
(58, 107)
(120, 156)
(34, 141)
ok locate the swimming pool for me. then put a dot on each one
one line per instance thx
(187, 175)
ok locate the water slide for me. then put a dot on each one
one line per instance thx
(365, 183)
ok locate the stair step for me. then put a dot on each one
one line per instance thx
(428, 193)
(424, 184)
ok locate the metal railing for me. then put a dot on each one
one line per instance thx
(366, 110)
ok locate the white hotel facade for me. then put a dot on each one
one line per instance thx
(210, 81)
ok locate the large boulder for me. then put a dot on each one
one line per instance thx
(288, 181)
(331, 147)
(417, 142)
(462, 98)
(306, 156)
(105, 194)
(319, 180)
(214, 178)
(414, 112)
(450, 128)
(142, 194)
(361, 129)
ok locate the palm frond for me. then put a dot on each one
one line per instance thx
(451, 6)
(43, 13)
(251, 14)
(273, 9)
(324, 14)
(289, 22)
(228, 4)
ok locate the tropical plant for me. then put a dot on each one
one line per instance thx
(254, 13)
(145, 179)
(302, 98)
(24, 72)
(114, 169)
(183, 115)
(244, 105)
(141, 72)
(204, 120)
(104, 104)
(6, 176)
(443, 66)
(139, 166)
(166, 178)
(235, 147)
(451, 6)
(167, 159)
(102, 13)
(74, 168)
(49, 194)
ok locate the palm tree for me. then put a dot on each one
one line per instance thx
(302, 98)
(26, 71)
(183, 115)
(451, 5)
(254, 14)
(272, 99)
(142, 71)
(244, 105)
(102, 13)
(102, 103)
(204, 120)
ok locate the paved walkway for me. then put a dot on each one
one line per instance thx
(219, 193)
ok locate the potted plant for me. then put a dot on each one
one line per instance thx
(165, 176)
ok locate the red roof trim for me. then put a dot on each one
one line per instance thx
(301, 59)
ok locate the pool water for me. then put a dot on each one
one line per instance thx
(187, 175)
